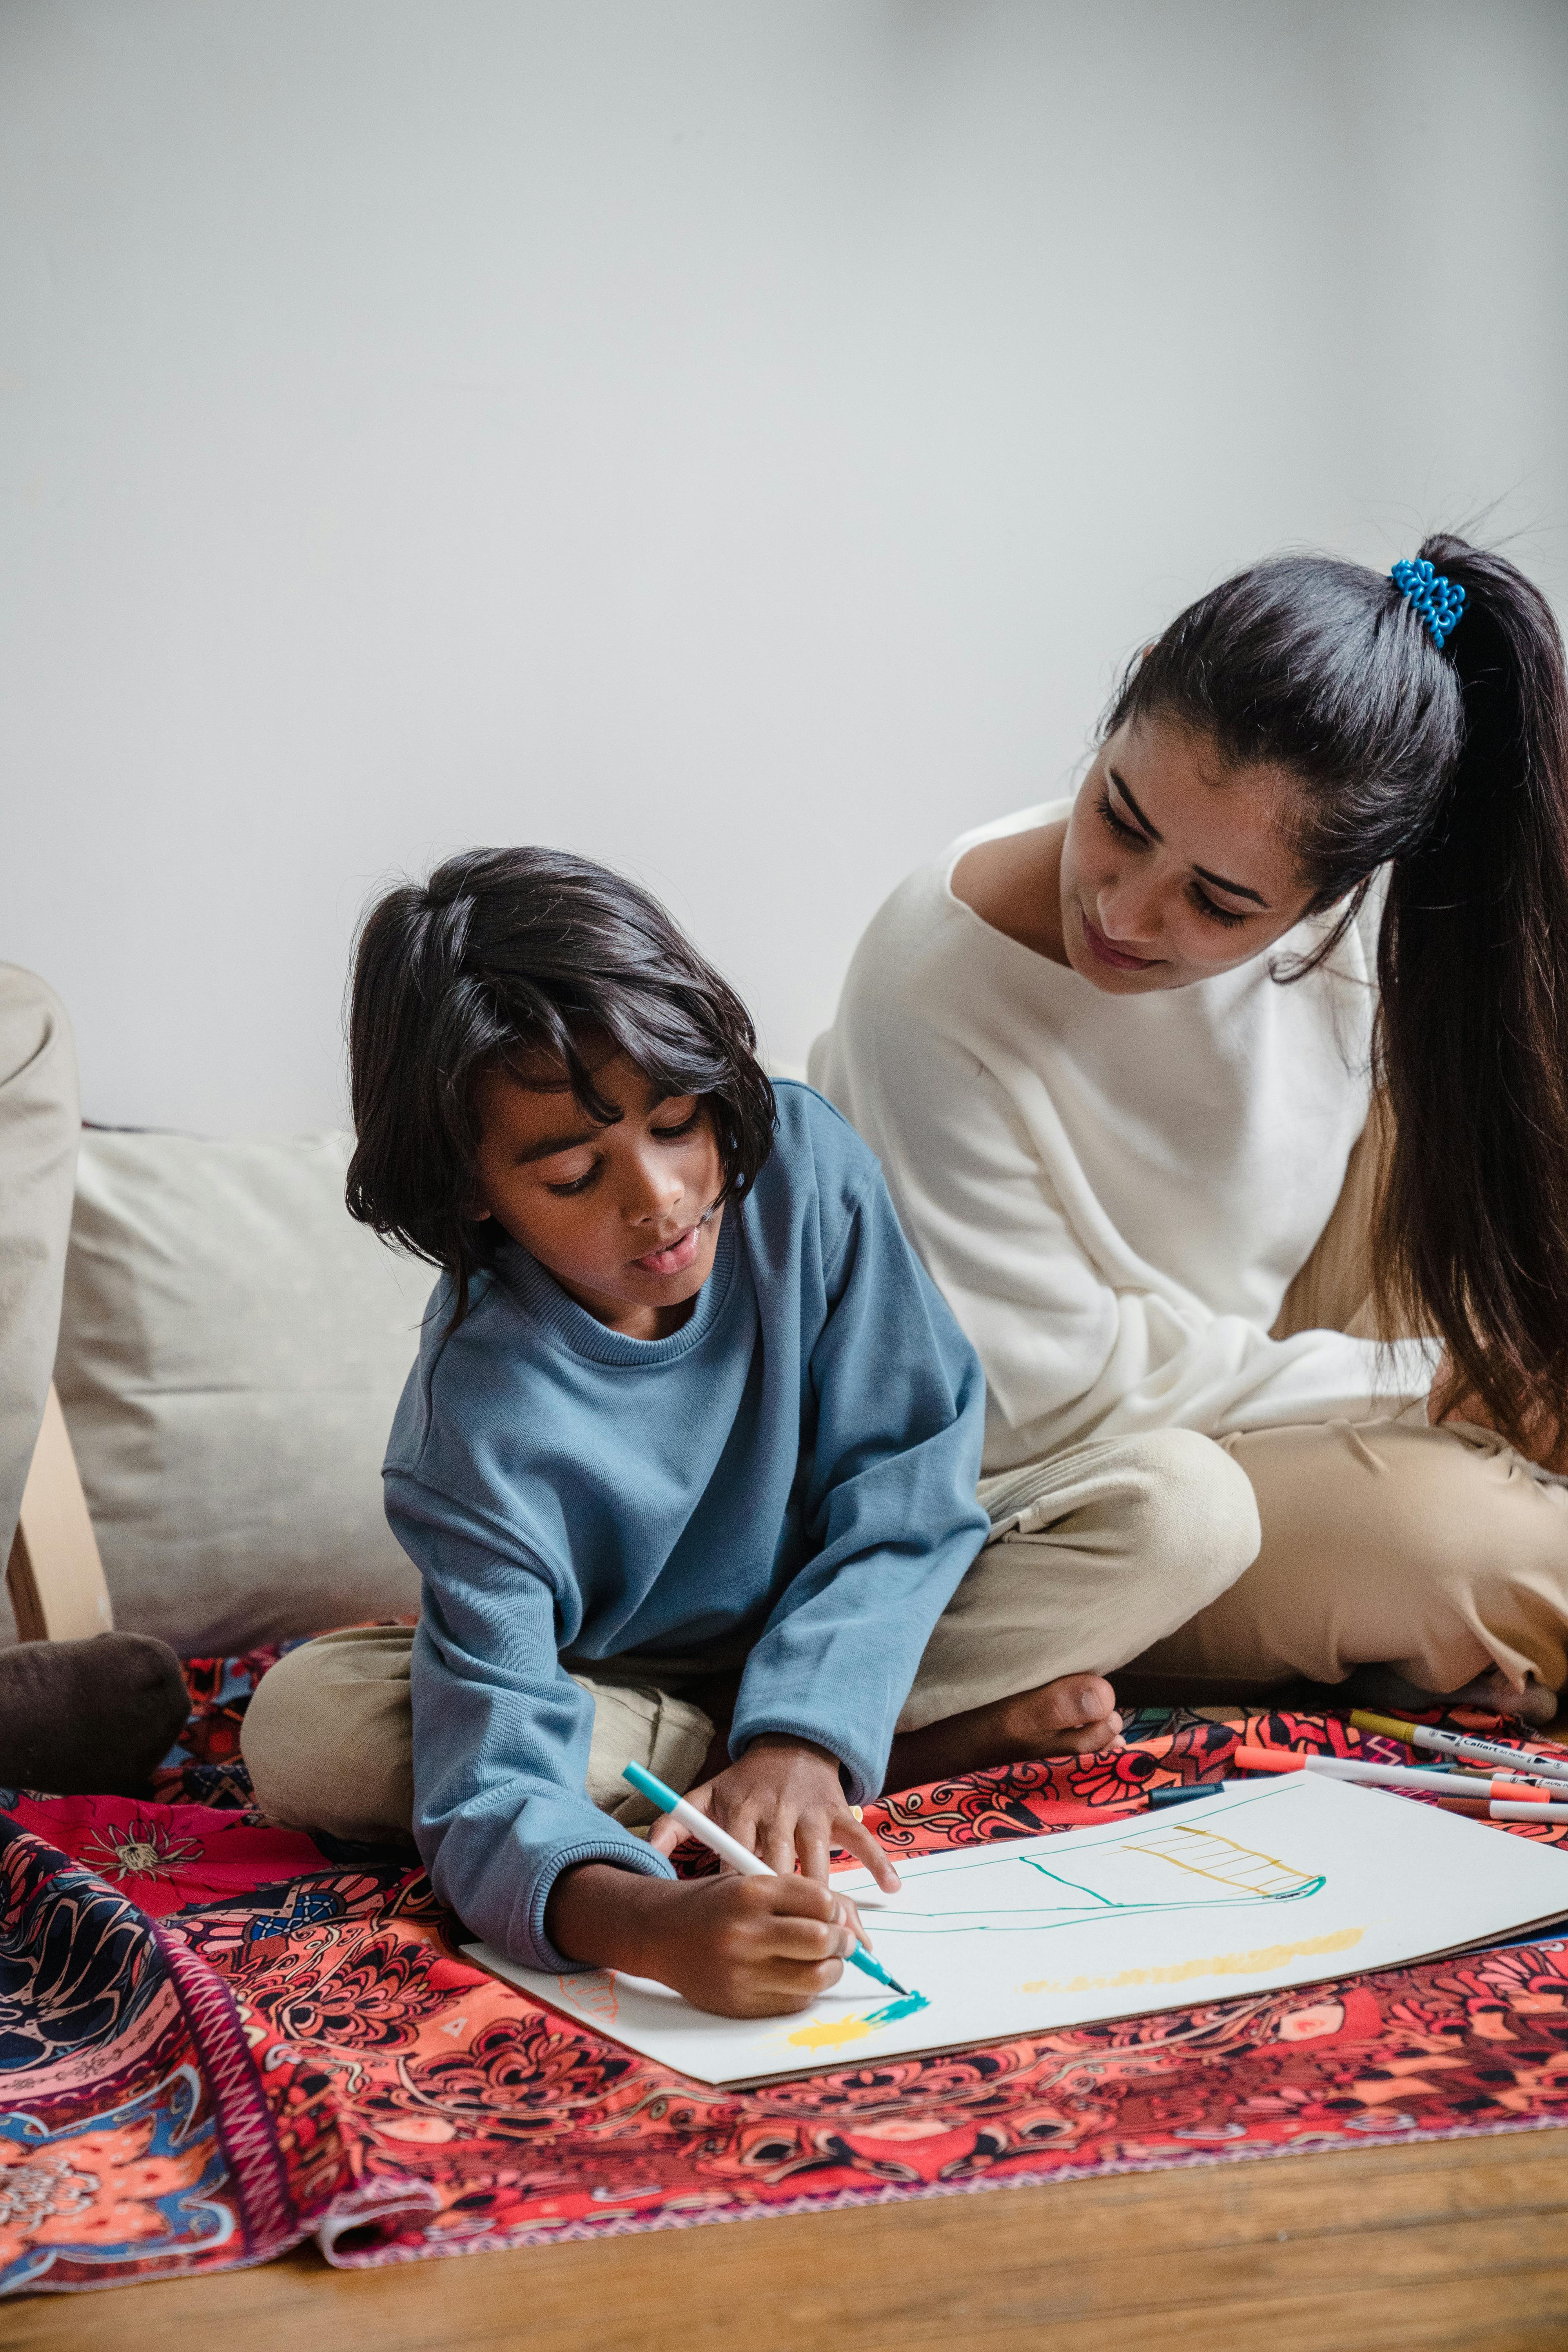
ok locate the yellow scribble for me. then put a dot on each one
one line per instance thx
(831, 2032)
(1220, 1964)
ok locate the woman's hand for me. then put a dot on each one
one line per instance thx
(783, 1802)
(740, 1947)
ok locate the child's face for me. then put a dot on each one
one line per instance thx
(623, 1216)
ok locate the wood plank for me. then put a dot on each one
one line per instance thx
(54, 1575)
(1450, 2245)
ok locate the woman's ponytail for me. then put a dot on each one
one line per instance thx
(1440, 756)
(1472, 1228)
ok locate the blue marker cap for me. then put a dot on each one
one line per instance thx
(654, 1791)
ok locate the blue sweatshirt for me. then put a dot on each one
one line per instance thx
(794, 1467)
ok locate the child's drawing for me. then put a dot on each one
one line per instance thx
(1172, 1867)
(1287, 1882)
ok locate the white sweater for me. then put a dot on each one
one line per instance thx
(1114, 1192)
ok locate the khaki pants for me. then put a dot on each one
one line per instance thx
(1093, 1557)
(1438, 1552)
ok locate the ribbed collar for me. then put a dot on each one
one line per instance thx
(584, 1335)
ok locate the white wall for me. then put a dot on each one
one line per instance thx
(736, 438)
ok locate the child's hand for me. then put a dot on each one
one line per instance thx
(742, 1946)
(782, 1801)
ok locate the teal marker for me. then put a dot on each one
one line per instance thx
(731, 1851)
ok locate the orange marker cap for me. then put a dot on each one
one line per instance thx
(1268, 1760)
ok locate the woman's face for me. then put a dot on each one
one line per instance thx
(1175, 867)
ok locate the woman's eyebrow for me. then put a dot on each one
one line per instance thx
(1152, 831)
(1236, 889)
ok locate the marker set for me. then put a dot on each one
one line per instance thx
(1465, 1746)
(1532, 1788)
(1505, 1800)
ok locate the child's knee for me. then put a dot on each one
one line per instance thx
(668, 1737)
(327, 1750)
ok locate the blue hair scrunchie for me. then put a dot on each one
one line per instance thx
(1437, 600)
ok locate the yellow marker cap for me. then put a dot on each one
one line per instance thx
(1405, 1731)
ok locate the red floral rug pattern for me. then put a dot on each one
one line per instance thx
(217, 2039)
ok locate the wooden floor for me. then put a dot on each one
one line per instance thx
(1459, 2243)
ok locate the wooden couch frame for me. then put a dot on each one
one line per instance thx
(54, 1576)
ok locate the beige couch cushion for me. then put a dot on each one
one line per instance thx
(232, 1347)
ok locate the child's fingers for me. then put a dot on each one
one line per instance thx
(800, 1898)
(857, 1839)
(813, 1940)
(813, 1850)
(783, 1944)
(783, 1989)
(776, 1847)
(853, 1920)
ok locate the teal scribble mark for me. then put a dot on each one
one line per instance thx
(1093, 1892)
(910, 2006)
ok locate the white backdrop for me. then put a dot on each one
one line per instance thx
(735, 438)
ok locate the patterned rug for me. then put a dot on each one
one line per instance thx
(217, 2039)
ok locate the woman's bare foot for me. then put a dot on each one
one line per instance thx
(1071, 1717)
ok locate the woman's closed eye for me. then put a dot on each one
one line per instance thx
(1212, 911)
(1119, 824)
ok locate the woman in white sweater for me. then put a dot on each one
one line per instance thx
(1195, 1090)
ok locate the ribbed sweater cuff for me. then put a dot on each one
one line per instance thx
(539, 1952)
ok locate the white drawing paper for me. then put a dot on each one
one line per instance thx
(1287, 1882)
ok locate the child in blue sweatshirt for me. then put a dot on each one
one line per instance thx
(688, 1417)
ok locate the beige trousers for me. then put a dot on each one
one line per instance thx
(1093, 1557)
(1438, 1552)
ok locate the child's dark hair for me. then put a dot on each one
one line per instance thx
(503, 956)
(1450, 766)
